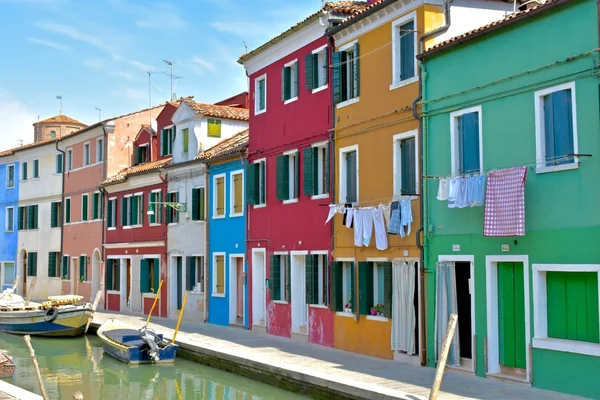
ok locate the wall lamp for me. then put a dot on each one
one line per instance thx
(180, 207)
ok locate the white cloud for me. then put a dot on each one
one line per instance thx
(162, 15)
(203, 63)
(242, 28)
(48, 43)
(74, 34)
(130, 93)
(17, 122)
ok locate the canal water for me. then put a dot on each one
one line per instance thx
(79, 364)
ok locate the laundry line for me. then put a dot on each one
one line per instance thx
(378, 200)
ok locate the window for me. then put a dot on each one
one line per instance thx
(375, 280)
(218, 286)
(32, 217)
(316, 279)
(349, 174)
(22, 223)
(58, 164)
(237, 194)
(346, 73)
(32, 264)
(156, 218)
(65, 267)
(260, 94)
(214, 128)
(195, 274)
(556, 128)
(316, 170)
(166, 141)
(465, 128)
(36, 169)
(287, 176)
(132, 210)
(198, 204)
(140, 154)
(86, 154)
(24, 171)
(256, 189)
(55, 214)
(186, 139)
(289, 81)
(219, 196)
(100, 150)
(8, 274)
(172, 215)
(113, 274)
(404, 44)
(405, 164)
(54, 264)
(149, 275)
(69, 160)
(9, 219)
(342, 294)
(67, 210)
(316, 68)
(96, 206)
(10, 176)
(83, 263)
(111, 213)
(52, 134)
(279, 281)
(84, 207)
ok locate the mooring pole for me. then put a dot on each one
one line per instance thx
(439, 373)
(36, 366)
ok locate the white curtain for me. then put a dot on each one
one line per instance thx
(446, 304)
(403, 310)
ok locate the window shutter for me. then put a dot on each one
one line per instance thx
(297, 175)
(53, 215)
(353, 287)
(263, 184)
(134, 210)
(191, 273)
(351, 189)
(408, 166)
(309, 71)
(68, 211)
(308, 171)
(109, 213)
(563, 126)
(195, 205)
(35, 216)
(337, 77)
(156, 274)
(65, 266)
(262, 95)
(312, 279)
(123, 211)
(59, 164)
(274, 277)
(84, 205)
(24, 171)
(94, 206)
(109, 274)
(469, 142)
(82, 267)
(252, 183)
(21, 219)
(36, 169)
(30, 217)
(387, 288)
(117, 285)
(282, 177)
(51, 264)
(326, 66)
(168, 212)
(163, 143)
(317, 70)
(326, 169)
(407, 50)
(365, 287)
(297, 84)
(288, 280)
(144, 276)
(356, 72)
(201, 196)
(336, 277)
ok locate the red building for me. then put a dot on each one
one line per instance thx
(288, 179)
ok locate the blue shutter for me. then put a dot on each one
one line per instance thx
(408, 165)
(468, 131)
(407, 51)
(337, 77)
(144, 276)
(558, 123)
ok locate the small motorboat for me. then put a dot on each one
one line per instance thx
(7, 366)
(135, 346)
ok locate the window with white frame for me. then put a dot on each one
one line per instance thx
(289, 81)
(556, 128)
(137, 209)
(86, 154)
(36, 169)
(279, 278)
(195, 274)
(171, 214)
(287, 176)
(99, 150)
(111, 213)
(237, 194)
(348, 278)
(465, 145)
(10, 176)
(218, 281)
(9, 219)
(156, 216)
(69, 159)
(260, 94)
(316, 68)
(404, 45)
(167, 137)
(405, 163)
(219, 196)
(58, 164)
(24, 174)
(349, 174)
(140, 154)
(256, 189)
(316, 279)
(346, 73)
(316, 170)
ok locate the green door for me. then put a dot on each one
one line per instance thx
(511, 315)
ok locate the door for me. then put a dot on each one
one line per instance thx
(179, 282)
(463, 299)
(299, 307)
(74, 275)
(128, 285)
(258, 288)
(511, 315)
(239, 276)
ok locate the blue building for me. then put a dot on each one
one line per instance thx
(227, 266)
(9, 198)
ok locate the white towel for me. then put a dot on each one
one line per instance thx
(349, 215)
(367, 217)
(381, 241)
(443, 189)
(358, 227)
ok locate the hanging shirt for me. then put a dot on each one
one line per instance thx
(478, 188)
(505, 203)
(381, 242)
(367, 217)
(452, 192)
(395, 221)
(406, 218)
(462, 193)
(332, 211)
(358, 227)
(387, 210)
(443, 189)
(349, 217)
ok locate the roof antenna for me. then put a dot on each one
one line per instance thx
(245, 47)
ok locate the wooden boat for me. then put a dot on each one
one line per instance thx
(135, 346)
(7, 366)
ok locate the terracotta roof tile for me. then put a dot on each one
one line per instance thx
(348, 8)
(232, 145)
(62, 119)
(211, 110)
(123, 174)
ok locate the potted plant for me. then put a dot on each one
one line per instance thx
(64, 277)
(379, 309)
(373, 310)
(81, 279)
(348, 306)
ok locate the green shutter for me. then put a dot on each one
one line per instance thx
(65, 266)
(326, 168)
(21, 218)
(53, 215)
(309, 71)
(134, 210)
(167, 211)
(24, 171)
(286, 83)
(32, 264)
(326, 74)
(94, 205)
(387, 288)
(35, 217)
(365, 287)
(337, 77)
(109, 274)
(262, 96)
(68, 211)
(156, 274)
(190, 273)
(252, 183)
(262, 184)
(51, 264)
(353, 287)
(59, 164)
(163, 143)
(109, 213)
(117, 275)
(316, 70)
(201, 201)
(144, 276)
(30, 217)
(274, 277)
(195, 205)
(141, 210)
(84, 207)
(82, 267)
(308, 171)
(356, 72)
(297, 175)
(288, 279)
(407, 167)
(336, 294)
(283, 177)
(123, 211)
(312, 279)
(407, 50)
(297, 86)
(36, 169)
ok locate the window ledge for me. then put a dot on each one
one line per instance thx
(199, 221)
(218, 216)
(279, 302)
(127, 227)
(258, 112)
(556, 168)
(320, 89)
(320, 196)
(399, 84)
(153, 225)
(568, 346)
(260, 205)
(377, 318)
(195, 293)
(137, 226)
(35, 179)
(148, 295)
(173, 223)
(113, 292)
(290, 201)
(344, 314)
(319, 306)
(347, 102)
(110, 229)
(233, 215)
(288, 101)
(218, 294)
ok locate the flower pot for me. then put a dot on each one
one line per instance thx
(380, 314)
(373, 312)
(348, 310)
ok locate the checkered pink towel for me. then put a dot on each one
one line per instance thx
(505, 203)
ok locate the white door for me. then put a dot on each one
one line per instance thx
(299, 309)
(259, 302)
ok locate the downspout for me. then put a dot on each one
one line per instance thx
(331, 46)
(62, 206)
(422, 77)
(166, 235)
(207, 245)
(103, 191)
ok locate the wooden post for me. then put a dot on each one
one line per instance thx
(179, 319)
(439, 373)
(154, 304)
(30, 290)
(36, 367)
(77, 396)
(94, 306)
(16, 282)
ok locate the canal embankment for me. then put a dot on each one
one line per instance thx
(321, 372)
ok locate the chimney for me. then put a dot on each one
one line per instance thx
(369, 2)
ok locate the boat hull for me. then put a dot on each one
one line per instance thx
(71, 321)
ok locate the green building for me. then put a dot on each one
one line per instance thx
(521, 92)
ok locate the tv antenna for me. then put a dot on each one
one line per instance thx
(99, 114)
(170, 64)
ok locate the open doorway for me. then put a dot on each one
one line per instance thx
(406, 312)
(236, 290)
(259, 302)
(23, 271)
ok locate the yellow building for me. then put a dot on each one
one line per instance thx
(375, 82)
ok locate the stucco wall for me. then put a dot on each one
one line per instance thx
(9, 197)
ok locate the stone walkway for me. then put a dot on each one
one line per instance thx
(342, 371)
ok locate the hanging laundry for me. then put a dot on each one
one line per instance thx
(387, 210)
(381, 242)
(348, 214)
(367, 220)
(461, 193)
(358, 227)
(505, 202)
(405, 216)
(443, 189)
(395, 220)
(333, 208)
(475, 190)
(452, 192)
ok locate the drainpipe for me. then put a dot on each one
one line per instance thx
(62, 206)
(206, 247)
(423, 76)
(331, 46)
(166, 235)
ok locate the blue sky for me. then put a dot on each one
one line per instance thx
(95, 53)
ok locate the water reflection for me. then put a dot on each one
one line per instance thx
(70, 365)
